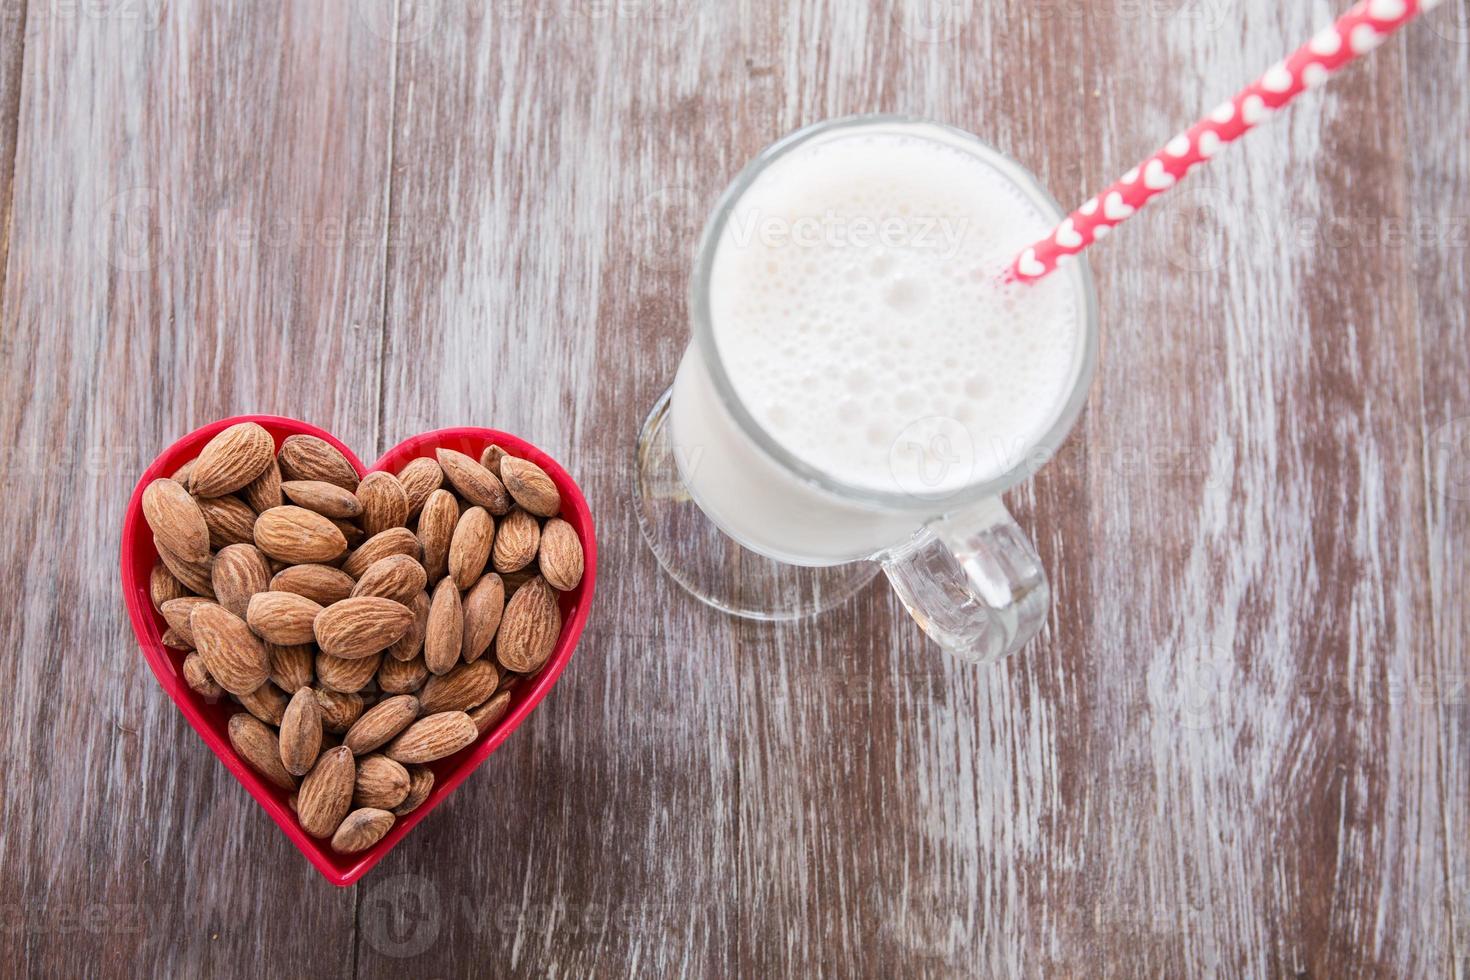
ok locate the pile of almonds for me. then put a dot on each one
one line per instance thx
(366, 626)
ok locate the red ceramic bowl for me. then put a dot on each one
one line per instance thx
(210, 718)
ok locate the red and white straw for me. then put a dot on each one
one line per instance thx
(1363, 28)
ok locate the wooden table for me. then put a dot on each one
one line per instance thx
(1241, 746)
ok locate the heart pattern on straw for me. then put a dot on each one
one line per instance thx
(1067, 235)
(1115, 209)
(1364, 27)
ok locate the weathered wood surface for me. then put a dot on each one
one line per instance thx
(1435, 130)
(1240, 746)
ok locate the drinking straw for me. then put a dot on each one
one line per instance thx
(1357, 32)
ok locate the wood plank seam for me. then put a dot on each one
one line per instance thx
(388, 227)
(387, 288)
(1436, 612)
(10, 122)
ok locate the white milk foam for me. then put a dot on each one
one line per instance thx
(856, 307)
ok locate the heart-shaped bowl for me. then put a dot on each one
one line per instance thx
(210, 718)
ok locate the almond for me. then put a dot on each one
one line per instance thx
(488, 714)
(176, 520)
(361, 829)
(351, 533)
(181, 475)
(402, 676)
(267, 702)
(322, 584)
(309, 458)
(283, 618)
(229, 519)
(420, 782)
(239, 572)
(475, 483)
(381, 782)
(325, 498)
(469, 549)
(397, 577)
(445, 631)
(347, 676)
(258, 746)
(514, 580)
(291, 666)
(174, 641)
(483, 606)
(383, 501)
(516, 541)
(235, 657)
(162, 586)
(381, 722)
(394, 541)
(461, 689)
(326, 792)
(301, 732)
(296, 535)
(530, 486)
(231, 459)
(361, 626)
(264, 492)
(194, 576)
(491, 457)
(420, 478)
(433, 737)
(339, 709)
(196, 675)
(176, 613)
(560, 555)
(411, 644)
(529, 628)
(436, 531)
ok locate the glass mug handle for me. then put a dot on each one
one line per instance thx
(972, 581)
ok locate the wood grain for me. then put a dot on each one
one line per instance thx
(1262, 607)
(171, 262)
(895, 806)
(1239, 747)
(12, 52)
(1438, 252)
(601, 839)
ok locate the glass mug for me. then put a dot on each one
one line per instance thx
(752, 528)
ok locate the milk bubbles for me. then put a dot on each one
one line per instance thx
(856, 306)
